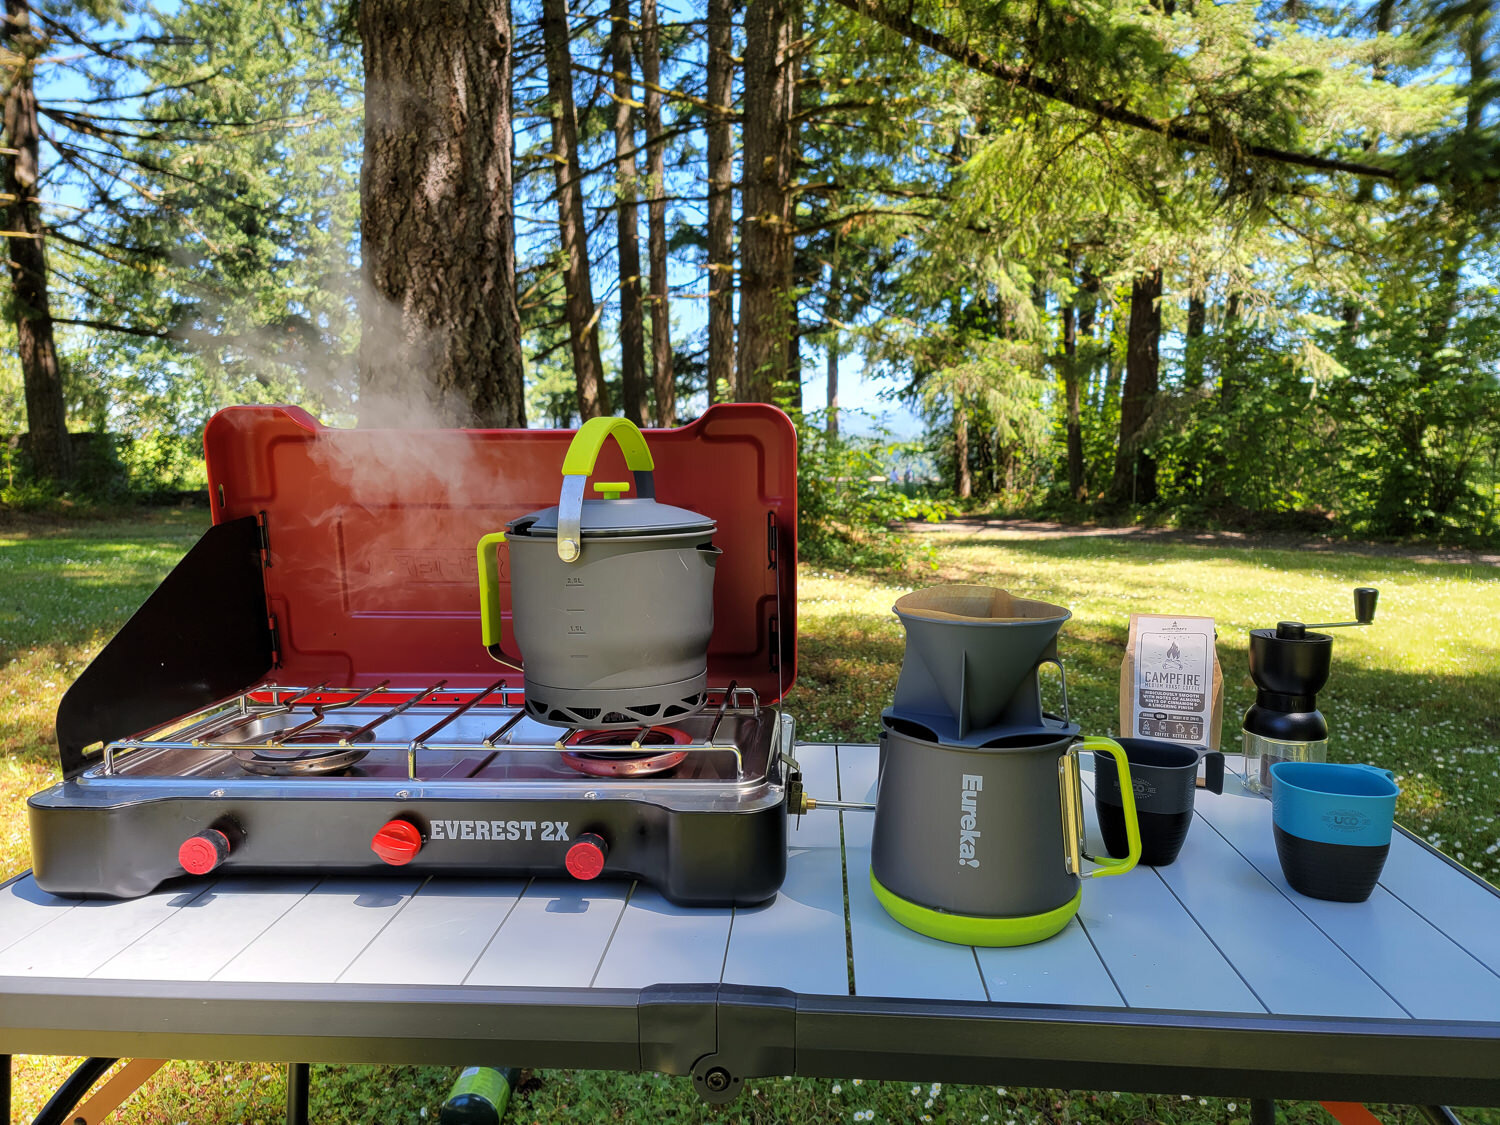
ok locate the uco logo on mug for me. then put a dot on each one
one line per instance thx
(1346, 820)
(1142, 787)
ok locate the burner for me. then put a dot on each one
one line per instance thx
(316, 752)
(627, 762)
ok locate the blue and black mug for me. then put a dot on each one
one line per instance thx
(1333, 826)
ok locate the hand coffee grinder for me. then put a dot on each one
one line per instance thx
(1290, 665)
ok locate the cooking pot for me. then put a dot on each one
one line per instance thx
(611, 598)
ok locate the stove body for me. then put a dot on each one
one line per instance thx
(307, 690)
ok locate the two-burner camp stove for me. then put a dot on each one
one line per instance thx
(306, 691)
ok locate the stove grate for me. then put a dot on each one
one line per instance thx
(266, 725)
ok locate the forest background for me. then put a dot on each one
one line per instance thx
(1233, 262)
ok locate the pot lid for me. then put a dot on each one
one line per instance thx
(618, 517)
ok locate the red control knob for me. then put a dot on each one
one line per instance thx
(397, 842)
(585, 859)
(200, 854)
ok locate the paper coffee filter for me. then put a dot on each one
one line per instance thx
(980, 604)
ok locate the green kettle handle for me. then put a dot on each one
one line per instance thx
(491, 623)
(579, 462)
(1106, 864)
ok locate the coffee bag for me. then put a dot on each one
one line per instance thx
(1170, 683)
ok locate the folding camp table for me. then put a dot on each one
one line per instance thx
(1210, 976)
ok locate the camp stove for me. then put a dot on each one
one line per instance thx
(306, 691)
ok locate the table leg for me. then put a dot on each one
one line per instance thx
(1440, 1115)
(4, 1090)
(1262, 1111)
(58, 1108)
(298, 1085)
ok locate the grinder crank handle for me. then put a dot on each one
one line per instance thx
(579, 462)
(1107, 865)
(491, 623)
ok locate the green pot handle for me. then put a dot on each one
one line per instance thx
(491, 623)
(579, 462)
(1107, 865)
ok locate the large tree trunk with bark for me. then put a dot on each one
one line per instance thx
(662, 380)
(767, 239)
(41, 373)
(583, 327)
(442, 331)
(720, 97)
(627, 220)
(1135, 471)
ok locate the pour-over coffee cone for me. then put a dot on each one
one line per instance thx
(971, 659)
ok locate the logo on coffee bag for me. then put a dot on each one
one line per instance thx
(968, 819)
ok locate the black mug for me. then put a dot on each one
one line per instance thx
(1164, 776)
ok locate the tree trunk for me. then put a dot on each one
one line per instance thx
(41, 374)
(1135, 471)
(442, 331)
(831, 315)
(720, 96)
(663, 382)
(767, 240)
(583, 327)
(1228, 352)
(627, 219)
(963, 479)
(1089, 284)
(1385, 13)
(1197, 317)
(1072, 394)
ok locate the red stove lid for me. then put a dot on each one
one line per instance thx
(371, 535)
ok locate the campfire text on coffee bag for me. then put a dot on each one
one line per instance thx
(1170, 683)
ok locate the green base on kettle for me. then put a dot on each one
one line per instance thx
(962, 929)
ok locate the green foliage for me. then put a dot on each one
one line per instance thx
(848, 505)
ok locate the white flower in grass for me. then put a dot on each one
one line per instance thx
(1233, 1106)
(837, 1089)
(860, 1082)
(915, 1090)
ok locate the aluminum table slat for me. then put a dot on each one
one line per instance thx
(797, 941)
(439, 935)
(1413, 960)
(1210, 974)
(1253, 925)
(318, 937)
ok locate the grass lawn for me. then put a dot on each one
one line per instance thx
(1418, 692)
